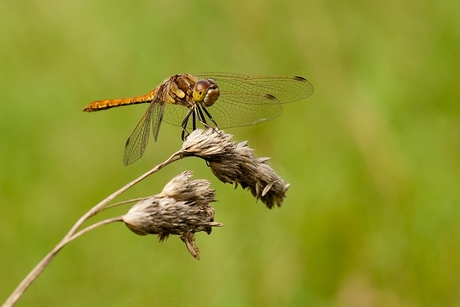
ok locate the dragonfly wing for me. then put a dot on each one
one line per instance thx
(236, 87)
(234, 113)
(139, 138)
(157, 118)
(174, 114)
(227, 113)
(246, 100)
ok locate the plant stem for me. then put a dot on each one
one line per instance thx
(73, 234)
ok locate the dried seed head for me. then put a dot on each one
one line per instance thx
(236, 163)
(207, 144)
(182, 208)
(196, 192)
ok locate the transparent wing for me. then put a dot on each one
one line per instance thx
(246, 100)
(139, 138)
(253, 89)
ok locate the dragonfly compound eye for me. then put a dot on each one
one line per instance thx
(206, 92)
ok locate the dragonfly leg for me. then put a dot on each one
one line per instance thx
(201, 117)
(210, 117)
(185, 122)
(194, 121)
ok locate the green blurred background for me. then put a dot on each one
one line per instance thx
(372, 217)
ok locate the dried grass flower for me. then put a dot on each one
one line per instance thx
(236, 163)
(182, 208)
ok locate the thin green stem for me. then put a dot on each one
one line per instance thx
(123, 203)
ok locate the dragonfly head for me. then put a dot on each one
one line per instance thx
(206, 92)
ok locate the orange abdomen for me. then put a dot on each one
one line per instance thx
(111, 103)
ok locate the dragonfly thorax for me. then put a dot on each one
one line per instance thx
(206, 92)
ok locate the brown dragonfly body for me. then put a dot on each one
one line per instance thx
(178, 89)
(233, 100)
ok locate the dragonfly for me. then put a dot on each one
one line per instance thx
(219, 100)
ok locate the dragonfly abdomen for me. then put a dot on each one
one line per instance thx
(111, 103)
